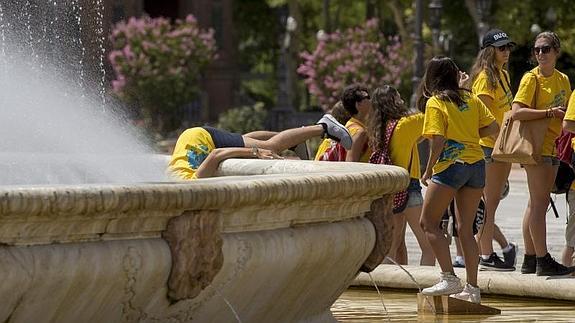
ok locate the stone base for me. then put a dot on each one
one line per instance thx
(449, 305)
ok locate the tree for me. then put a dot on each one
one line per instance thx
(158, 64)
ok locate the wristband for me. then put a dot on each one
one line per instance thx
(255, 151)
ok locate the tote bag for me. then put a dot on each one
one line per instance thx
(521, 141)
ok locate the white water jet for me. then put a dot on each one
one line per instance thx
(55, 125)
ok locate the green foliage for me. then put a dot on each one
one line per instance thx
(244, 119)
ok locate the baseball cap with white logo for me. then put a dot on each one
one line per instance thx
(496, 38)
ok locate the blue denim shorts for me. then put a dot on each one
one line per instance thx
(460, 174)
(487, 151)
(414, 192)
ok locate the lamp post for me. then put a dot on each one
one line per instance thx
(435, 8)
(417, 50)
(281, 114)
(484, 12)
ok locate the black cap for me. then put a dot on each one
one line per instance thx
(496, 38)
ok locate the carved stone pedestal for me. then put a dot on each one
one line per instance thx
(449, 305)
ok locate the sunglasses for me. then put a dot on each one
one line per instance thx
(542, 50)
(503, 48)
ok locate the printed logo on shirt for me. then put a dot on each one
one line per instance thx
(196, 155)
(559, 99)
(463, 107)
(451, 150)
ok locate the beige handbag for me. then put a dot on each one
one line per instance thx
(521, 141)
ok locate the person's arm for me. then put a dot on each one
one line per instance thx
(569, 125)
(359, 140)
(210, 164)
(491, 130)
(522, 112)
(436, 143)
(488, 101)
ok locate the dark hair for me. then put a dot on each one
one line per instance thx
(386, 105)
(351, 95)
(340, 113)
(441, 79)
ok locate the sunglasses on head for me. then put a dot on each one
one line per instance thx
(542, 50)
(503, 48)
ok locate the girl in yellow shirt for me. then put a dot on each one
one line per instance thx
(491, 85)
(387, 106)
(454, 121)
(553, 90)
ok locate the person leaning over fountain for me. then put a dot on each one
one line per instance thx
(454, 121)
(199, 151)
(342, 116)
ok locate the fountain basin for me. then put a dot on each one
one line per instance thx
(265, 241)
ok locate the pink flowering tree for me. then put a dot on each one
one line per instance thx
(158, 64)
(357, 55)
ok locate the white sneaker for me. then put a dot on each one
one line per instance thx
(448, 284)
(335, 130)
(469, 294)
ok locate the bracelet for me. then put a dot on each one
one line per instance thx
(549, 113)
(255, 151)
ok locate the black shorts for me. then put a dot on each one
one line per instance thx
(224, 139)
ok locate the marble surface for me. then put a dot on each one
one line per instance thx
(490, 282)
(268, 241)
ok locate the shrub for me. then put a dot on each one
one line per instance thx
(357, 55)
(158, 65)
(244, 119)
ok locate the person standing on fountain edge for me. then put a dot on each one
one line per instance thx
(390, 112)
(454, 121)
(199, 151)
(551, 89)
(491, 85)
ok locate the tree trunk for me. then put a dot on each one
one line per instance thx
(326, 16)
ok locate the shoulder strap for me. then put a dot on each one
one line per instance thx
(391, 124)
(534, 100)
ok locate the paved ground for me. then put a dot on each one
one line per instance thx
(509, 216)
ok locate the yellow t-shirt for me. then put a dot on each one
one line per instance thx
(192, 148)
(323, 147)
(460, 126)
(502, 99)
(553, 91)
(570, 114)
(354, 125)
(406, 133)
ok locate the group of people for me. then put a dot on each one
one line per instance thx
(459, 115)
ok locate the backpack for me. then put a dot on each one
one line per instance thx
(335, 152)
(565, 173)
(382, 156)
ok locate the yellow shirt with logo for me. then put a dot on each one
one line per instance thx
(192, 148)
(552, 91)
(501, 95)
(406, 134)
(459, 125)
(353, 126)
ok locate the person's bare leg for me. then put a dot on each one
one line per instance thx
(499, 237)
(496, 174)
(540, 179)
(398, 232)
(437, 199)
(286, 139)
(567, 256)
(467, 200)
(261, 134)
(413, 216)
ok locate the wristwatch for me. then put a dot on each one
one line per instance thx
(255, 151)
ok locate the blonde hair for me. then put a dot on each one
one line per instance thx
(485, 61)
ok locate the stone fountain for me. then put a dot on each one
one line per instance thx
(92, 231)
(267, 241)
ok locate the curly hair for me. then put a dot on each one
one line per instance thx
(340, 113)
(386, 105)
(485, 61)
(351, 95)
(441, 79)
